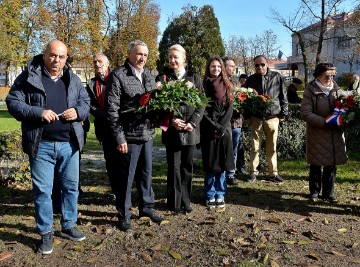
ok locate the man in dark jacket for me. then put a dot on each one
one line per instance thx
(236, 125)
(265, 81)
(96, 88)
(132, 132)
(50, 101)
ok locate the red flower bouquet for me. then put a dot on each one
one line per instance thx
(249, 101)
(346, 110)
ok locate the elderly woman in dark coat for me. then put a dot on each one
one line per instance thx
(325, 142)
(216, 144)
(182, 135)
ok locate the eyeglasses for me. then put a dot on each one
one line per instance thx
(328, 77)
(258, 65)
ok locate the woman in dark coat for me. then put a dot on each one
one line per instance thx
(216, 144)
(325, 142)
(181, 136)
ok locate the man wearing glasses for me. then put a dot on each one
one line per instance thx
(265, 81)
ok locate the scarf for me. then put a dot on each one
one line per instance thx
(325, 89)
(217, 89)
(100, 94)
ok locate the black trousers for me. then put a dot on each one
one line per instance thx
(112, 158)
(180, 161)
(135, 165)
(322, 178)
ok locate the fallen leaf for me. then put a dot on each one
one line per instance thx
(356, 261)
(151, 234)
(311, 235)
(233, 246)
(4, 255)
(146, 257)
(244, 243)
(192, 219)
(301, 219)
(289, 242)
(325, 221)
(56, 241)
(354, 245)
(175, 255)
(313, 256)
(291, 231)
(338, 254)
(263, 239)
(29, 218)
(165, 248)
(303, 242)
(164, 222)
(310, 219)
(156, 247)
(230, 219)
(223, 253)
(256, 230)
(182, 237)
(145, 219)
(274, 264)
(219, 210)
(266, 258)
(78, 248)
(92, 260)
(342, 230)
(275, 220)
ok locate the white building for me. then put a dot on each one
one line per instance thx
(338, 46)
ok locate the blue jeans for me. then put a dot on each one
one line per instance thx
(236, 141)
(60, 159)
(215, 185)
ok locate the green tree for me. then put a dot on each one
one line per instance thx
(135, 19)
(198, 31)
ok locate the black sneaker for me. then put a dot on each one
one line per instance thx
(231, 181)
(125, 225)
(277, 179)
(220, 203)
(252, 178)
(211, 203)
(152, 216)
(46, 243)
(73, 234)
(314, 197)
(331, 199)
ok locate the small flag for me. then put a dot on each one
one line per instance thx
(280, 55)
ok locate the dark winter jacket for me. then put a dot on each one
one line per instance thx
(27, 100)
(273, 85)
(217, 153)
(124, 90)
(188, 114)
(324, 146)
(95, 110)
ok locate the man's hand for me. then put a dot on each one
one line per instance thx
(49, 116)
(179, 124)
(69, 114)
(188, 127)
(123, 148)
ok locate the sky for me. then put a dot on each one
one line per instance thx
(243, 17)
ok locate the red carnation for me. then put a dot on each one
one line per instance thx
(338, 104)
(242, 96)
(144, 99)
(350, 102)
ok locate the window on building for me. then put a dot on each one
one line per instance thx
(344, 42)
(298, 50)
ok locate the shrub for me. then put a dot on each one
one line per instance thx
(14, 165)
(345, 80)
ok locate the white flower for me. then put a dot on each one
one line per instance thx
(158, 85)
(250, 90)
(243, 90)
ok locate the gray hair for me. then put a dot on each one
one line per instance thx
(134, 43)
(101, 54)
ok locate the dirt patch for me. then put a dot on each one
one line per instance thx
(264, 224)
